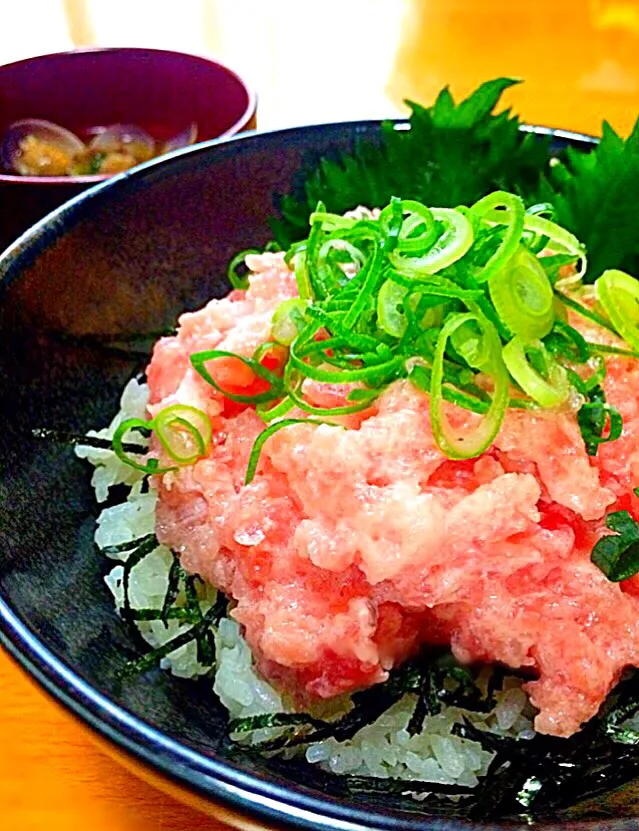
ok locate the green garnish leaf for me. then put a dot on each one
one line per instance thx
(594, 197)
(617, 555)
(592, 418)
(453, 154)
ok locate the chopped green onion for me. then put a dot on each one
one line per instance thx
(153, 465)
(278, 410)
(449, 298)
(542, 208)
(298, 401)
(612, 350)
(237, 280)
(331, 222)
(565, 341)
(200, 359)
(417, 232)
(584, 311)
(264, 436)
(618, 293)
(184, 432)
(617, 555)
(560, 241)
(333, 256)
(370, 275)
(390, 297)
(451, 245)
(523, 297)
(302, 279)
(364, 374)
(459, 445)
(288, 320)
(550, 389)
(422, 377)
(505, 209)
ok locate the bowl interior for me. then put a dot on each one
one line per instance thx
(127, 258)
(161, 91)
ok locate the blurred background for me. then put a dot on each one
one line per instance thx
(349, 59)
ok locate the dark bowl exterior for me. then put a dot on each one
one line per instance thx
(127, 257)
(159, 90)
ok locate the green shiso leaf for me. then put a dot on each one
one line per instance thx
(453, 154)
(594, 195)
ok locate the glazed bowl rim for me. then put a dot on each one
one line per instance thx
(253, 798)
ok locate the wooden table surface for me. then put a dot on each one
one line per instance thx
(53, 777)
(581, 62)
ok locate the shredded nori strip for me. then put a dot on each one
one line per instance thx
(66, 437)
(129, 545)
(368, 706)
(211, 617)
(626, 705)
(245, 725)
(136, 556)
(173, 589)
(205, 643)
(498, 785)
(428, 702)
(527, 778)
(174, 613)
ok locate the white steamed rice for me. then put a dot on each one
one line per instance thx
(383, 749)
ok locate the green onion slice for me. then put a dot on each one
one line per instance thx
(330, 221)
(263, 438)
(565, 341)
(541, 209)
(237, 280)
(505, 209)
(294, 388)
(288, 320)
(152, 465)
(332, 256)
(369, 275)
(200, 359)
(595, 417)
(391, 296)
(618, 293)
(268, 414)
(184, 432)
(459, 445)
(366, 374)
(559, 240)
(547, 384)
(584, 311)
(304, 288)
(454, 241)
(418, 231)
(523, 297)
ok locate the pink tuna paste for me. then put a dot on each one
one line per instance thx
(354, 547)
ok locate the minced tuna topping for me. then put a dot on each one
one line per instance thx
(352, 549)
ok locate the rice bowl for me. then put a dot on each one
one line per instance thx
(149, 713)
(269, 669)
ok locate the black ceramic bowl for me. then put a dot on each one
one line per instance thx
(128, 256)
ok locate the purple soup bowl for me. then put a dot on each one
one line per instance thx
(160, 91)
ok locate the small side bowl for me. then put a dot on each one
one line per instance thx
(159, 90)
